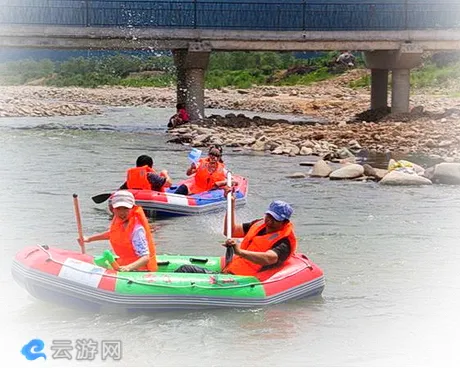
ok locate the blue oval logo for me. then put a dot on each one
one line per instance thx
(32, 350)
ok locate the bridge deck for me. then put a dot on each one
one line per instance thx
(231, 24)
(166, 39)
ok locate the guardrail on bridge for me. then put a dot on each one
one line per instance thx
(293, 15)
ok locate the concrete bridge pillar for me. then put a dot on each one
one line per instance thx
(399, 62)
(400, 90)
(379, 88)
(191, 67)
(181, 87)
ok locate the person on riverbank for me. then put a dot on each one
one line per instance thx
(210, 173)
(144, 176)
(346, 58)
(129, 235)
(181, 117)
(267, 243)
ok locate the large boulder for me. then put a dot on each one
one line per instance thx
(393, 164)
(369, 170)
(321, 169)
(258, 146)
(306, 151)
(396, 177)
(372, 172)
(447, 173)
(293, 150)
(278, 150)
(347, 172)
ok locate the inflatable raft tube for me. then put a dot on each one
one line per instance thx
(72, 279)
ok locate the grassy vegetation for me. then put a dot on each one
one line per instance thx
(428, 75)
(235, 69)
(432, 75)
(246, 69)
(20, 72)
(89, 72)
(362, 82)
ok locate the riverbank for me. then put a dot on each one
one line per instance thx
(328, 99)
(432, 128)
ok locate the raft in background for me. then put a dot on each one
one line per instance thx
(72, 279)
(170, 204)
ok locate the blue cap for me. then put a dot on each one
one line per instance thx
(280, 210)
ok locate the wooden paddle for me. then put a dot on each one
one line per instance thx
(101, 197)
(79, 226)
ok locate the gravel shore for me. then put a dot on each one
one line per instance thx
(431, 128)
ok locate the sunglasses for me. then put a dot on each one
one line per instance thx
(215, 155)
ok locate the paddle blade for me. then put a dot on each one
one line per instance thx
(101, 197)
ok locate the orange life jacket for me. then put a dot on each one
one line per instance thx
(121, 235)
(205, 180)
(255, 243)
(136, 177)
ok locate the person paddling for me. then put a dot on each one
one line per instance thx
(144, 176)
(267, 243)
(129, 235)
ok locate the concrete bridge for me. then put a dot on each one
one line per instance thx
(393, 34)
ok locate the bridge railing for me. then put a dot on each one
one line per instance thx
(293, 15)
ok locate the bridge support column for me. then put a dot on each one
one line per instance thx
(379, 88)
(191, 67)
(195, 93)
(399, 62)
(181, 88)
(400, 90)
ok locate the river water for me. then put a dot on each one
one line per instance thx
(390, 255)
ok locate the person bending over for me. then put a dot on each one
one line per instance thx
(180, 117)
